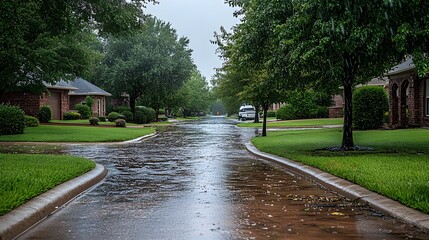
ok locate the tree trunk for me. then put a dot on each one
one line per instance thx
(156, 114)
(133, 104)
(264, 124)
(256, 113)
(347, 143)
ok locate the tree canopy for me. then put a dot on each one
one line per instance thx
(41, 41)
(328, 44)
(151, 63)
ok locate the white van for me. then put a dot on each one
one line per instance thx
(246, 112)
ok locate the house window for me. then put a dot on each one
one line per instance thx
(99, 107)
(427, 97)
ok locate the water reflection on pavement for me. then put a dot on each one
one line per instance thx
(197, 181)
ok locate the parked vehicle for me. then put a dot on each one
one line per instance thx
(246, 112)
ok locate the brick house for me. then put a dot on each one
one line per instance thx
(84, 89)
(61, 97)
(336, 110)
(408, 97)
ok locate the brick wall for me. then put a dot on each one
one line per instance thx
(28, 102)
(79, 99)
(399, 96)
(336, 112)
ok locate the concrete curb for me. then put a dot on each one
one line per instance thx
(37, 209)
(350, 190)
(139, 139)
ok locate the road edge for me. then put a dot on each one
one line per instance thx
(349, 189)
(38, 208)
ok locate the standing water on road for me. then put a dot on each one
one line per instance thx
(197, 181)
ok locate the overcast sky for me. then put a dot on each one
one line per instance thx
(197, 20)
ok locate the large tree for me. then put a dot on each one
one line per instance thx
(195, 95)
(151, 63)
(338, 43)
(41, 41)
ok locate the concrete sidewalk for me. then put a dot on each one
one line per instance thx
(37, 209)
(350, 190)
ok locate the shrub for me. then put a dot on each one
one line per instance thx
(319, 112)
(102, 118)
(89, 101)
(94, 120)
(120, 123)
(12, 120)
(45, 114)
(71, 115)
(271, 113)
(144, 115)
(113, 116)
(121, 109)
(369, 105)
(84, 110)
(286, 112)
(128, 115)
(31, 121)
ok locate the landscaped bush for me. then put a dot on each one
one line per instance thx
(102, 118)
(286, 112)
(121, 109)
(12, 120)
(144, 115)
(319, 112)
(128, 115)
(71, 115)
(114, 115)
(369, 105)
(94, 120)
(45, 114)
(89, 101)
(84, 110)
(120, 123)
(31, 121)
(271, 113)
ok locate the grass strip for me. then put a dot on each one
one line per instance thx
(86, 122)
(24, 176)
(54, 133)
(397, 168)
(297, 123)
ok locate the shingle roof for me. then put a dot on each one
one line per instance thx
(86, 88)
(402, 67)
(61, 85)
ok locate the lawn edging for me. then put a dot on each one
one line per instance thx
(348, 189)
(37, 209)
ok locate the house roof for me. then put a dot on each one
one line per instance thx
(405, 66)
(61, 85)
(84, 87)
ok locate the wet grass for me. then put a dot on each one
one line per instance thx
(398, 167)
(55, 133)
(24, 176)
(31, 149)
(297, 123)
(86, 122)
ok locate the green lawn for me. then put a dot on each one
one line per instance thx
(86, 121)
(54, 133)
(297, 123)
(397, 168)
(24, 176)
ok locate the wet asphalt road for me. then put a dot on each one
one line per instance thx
(197, 181)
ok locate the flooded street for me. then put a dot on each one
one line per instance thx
(197, 181)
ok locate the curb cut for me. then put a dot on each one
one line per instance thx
(350, 190)
(38, 208)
